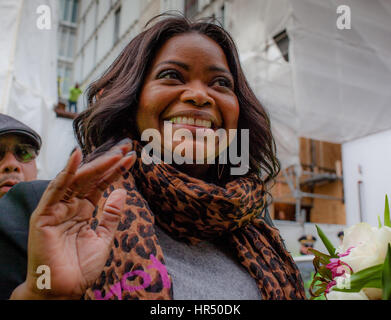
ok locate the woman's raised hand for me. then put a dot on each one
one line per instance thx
(60, 235)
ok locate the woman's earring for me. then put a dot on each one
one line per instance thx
(220, 169)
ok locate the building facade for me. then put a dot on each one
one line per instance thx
(105, 27)
(67, 29)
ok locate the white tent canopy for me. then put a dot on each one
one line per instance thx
(28, 78)
(337, 84)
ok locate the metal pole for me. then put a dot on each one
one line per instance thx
(297, 193)
(359, 185)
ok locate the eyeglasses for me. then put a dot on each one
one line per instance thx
(22, 152)
(307, 245)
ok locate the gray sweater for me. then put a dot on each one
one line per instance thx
(206, 271)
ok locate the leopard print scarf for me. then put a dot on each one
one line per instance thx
(190, 210)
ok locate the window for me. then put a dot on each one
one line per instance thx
(62, 37)
(81, 75)
(74, 11)
(64, 73)
(82, 30)
(95, 49)
(191, 8)
(64, 9)
(71, 43)
(67, 80)
(60, 78)
(68, 10)
(221, 16)
(117, 16)
(282, 42)
(67, 38)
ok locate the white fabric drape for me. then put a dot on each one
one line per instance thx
(28, 78)
(337, 84)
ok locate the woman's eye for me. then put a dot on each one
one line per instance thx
(169, 75)
(223, 82)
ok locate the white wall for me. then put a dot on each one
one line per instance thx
(90, 22)
(84, 4)
(104, 7)
(373, 155)
(105, 40)
(89, 58)
(130, 12)
(171, 5)
(291, 231)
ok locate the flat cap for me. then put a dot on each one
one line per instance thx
(307, 238)
(11, 125)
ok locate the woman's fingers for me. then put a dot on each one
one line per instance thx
(58, 187)
(123, 166)
(75, 182)
(91, 173)
(111, 215)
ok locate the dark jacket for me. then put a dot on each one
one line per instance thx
(16, 208)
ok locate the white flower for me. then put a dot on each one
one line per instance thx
(342, 282)
(369, 245)
(338, 295)
(366, 247)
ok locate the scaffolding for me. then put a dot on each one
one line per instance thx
(295, 177)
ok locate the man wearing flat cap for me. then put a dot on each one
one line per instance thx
(19, 195)
(306, 242)
(19, 146)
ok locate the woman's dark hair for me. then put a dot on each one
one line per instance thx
(113, 99)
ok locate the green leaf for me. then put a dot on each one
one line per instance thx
(327, 243)
(378, 219)
(319, 292)
(325, 273)
(366, 278)
(323, 257)
(386, 275)
(318, 285)
(387, 221)
(316, 263)
(375, 283)
(367, 273)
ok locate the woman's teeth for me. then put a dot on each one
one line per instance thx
(192, 121)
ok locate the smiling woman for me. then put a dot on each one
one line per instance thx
(198, 72)
(191, 88)
(188, 230)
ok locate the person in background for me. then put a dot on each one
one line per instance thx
(74, 93)
(340, 236)
(306, 242)
(19, 146)
(111, 226)
(281, 215)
